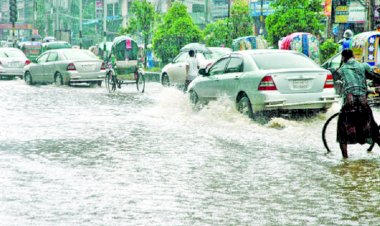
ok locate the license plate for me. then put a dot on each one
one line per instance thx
(300, 84)
(88, 67)
(12, 64)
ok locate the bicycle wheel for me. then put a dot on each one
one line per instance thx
(140, 82)
(329, 137)
(110, 82)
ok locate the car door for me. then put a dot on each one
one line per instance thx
(229, 81)
(208, 89)
(37, 70)
(49, 67)
(177, 70)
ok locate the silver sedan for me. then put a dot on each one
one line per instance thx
(266, 80)
(12, 62)
(64, 67)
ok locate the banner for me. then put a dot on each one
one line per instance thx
(341, 14)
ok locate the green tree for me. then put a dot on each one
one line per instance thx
(176, 30)
(218, 33)
(237, 25)
(240, 21)
(328, 49)
(142, 22)
(293, 16)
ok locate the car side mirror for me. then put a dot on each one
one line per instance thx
(203, 72)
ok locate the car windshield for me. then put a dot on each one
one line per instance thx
(11, 53)
(282, 60)
(78, 55)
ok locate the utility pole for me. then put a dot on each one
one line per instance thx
(370, 16)
(80, 23)
(105, 28)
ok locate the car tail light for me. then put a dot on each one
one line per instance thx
(103, 67)
(267, 83)
(71, 67)
(27, 62)
(329, 81)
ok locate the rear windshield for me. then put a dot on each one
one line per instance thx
(11, 53)
(78, 55)
(282, 60)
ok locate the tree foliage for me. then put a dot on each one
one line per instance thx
(328, 49)
(293, 16)
(239, 24)
(142, 22)
(240, 20)
(176, 30)
(218, 33)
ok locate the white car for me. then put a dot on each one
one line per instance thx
(65, 67)
(175, 73)
(12, 62)
(266, 80)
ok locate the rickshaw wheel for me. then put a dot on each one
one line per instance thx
(140, 82)
(110, 82)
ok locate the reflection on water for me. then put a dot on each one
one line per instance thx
(73, 156)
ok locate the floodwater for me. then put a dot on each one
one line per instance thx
(81, 156)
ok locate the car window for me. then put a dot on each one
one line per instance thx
(335, 62)
(52, 57)
(181, 57)
(235, 65)
(72, 54)
(43, 58)
(218, 67)
(12, 53)
(282, 60)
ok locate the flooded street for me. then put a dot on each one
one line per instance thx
(81, 156)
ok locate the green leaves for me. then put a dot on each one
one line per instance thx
(293, 16)
(176, 30)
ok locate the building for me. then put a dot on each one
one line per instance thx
(25, 19)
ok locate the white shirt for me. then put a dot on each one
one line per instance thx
(193, 67)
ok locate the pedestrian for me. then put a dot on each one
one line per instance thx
(356, 123)
(191, 68)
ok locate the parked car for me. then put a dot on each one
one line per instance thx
(266, 80)
(174, 73)
(12, 62)
(64, 67)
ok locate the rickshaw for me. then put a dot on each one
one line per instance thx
(124, 65)
(302, 42)
(249, 42)
(31, 49)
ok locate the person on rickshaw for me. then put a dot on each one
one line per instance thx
(345, 42)
(356, 123)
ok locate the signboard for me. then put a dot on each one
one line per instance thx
(198, 8)
(356, 12)
(260, 8)
(341, 14)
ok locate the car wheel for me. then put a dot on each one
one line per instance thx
(244, 106)
(99, 83)
(28, 78)
(193, 97)
(58, 79)
(165, 80)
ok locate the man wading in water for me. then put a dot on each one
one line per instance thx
(356, 123)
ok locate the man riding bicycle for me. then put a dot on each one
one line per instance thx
(356, 123)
